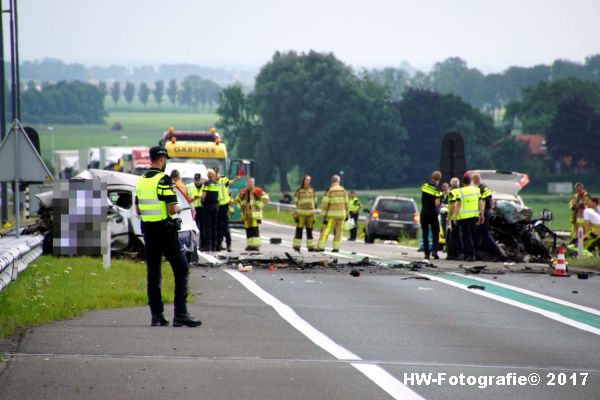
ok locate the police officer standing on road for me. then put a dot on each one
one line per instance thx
(466, 209)
(484, 240)
(194, 192)
(354, 206)
(430, 201)
(210, 209)
(155, 203)
(223, 214)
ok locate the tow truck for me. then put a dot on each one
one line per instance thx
(200, 150)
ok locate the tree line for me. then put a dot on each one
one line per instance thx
(76, 102)
(54, 70)
(64, 102)
(312, 113)
(192, 92)
(485, 91)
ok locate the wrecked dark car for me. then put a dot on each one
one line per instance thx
(521, 237)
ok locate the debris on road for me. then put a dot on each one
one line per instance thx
(424, 278)
(355, 273)
(478, 287)
(244, 268)
(582, 275)
(475, 269)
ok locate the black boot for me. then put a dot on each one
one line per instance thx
(186, 320)
(159, 320)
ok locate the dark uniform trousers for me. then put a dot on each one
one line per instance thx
(468, 232)
(485, 241)
(223, 225)
(429, 220)
(455, 248)
(354, 231)
(210, 214)
(160, 239)
(198, 218)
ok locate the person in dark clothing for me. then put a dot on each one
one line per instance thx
(155, 203)
(454, 242)
(468, 216)
(484, 240)
(210, 210)
(430, 201)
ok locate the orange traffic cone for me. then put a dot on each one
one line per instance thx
(560, 268)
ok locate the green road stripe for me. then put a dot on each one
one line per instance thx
(565, 311)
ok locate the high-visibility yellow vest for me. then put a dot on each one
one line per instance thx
(354, 205)
(469, 202)
(147, 190)
(224, 197)
(335, 203)
(428, 188)
(306, 201)
(193, 191)
(453, 195)
(211, 186)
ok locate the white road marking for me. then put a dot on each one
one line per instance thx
(538, 295)
(378, 375)
(209, 257)
(548, 314)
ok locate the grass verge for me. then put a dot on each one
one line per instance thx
(54, 289)
(591, 263)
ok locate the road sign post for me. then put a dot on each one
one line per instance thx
(20, 162)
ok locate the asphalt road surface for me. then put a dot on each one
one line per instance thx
(399, 330)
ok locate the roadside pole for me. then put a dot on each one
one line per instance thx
(579, 242)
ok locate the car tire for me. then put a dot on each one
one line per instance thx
(369, 238)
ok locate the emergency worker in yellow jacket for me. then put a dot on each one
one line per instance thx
(251, 201)
(225, 201)
(468, 215)
(155, 202)
(354, 206)
(334, 210)
(304, 215)
(455, 249)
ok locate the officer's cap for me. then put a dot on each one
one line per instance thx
(197, 176)
(158, 151)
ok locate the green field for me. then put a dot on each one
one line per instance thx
(140, 128)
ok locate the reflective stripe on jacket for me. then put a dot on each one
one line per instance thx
(193, 191)
(147, 191)
(469, 202)
(251, 203)
(224, 197)
(335, 203)
(306, 201)
(354, 205)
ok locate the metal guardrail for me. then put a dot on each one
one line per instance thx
(16, 255)
(291, 207)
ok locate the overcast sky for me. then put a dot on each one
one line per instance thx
(489, 34)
